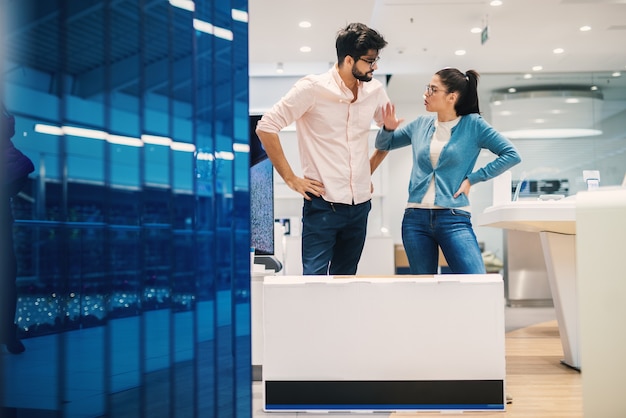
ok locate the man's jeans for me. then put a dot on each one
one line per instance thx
(333, 236)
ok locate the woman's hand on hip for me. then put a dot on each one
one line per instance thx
(464, 189)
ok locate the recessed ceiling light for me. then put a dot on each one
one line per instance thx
(537, 68)
(496, 103)
(305, 49)
(528, 76)
(594, 88)
(512, 90)
(572, 100)
(304, 24)
(616, 74)
(495, 3)
(585, 28)
(558, 50)
(459, 52)
(476, 30)
(539, 120)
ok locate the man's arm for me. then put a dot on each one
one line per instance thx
(377, 157)
(274, 150)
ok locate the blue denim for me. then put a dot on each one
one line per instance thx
(333, 236)
(425, 230)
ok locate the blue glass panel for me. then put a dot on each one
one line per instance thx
(131, 297)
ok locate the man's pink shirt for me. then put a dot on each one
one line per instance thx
(333, 133)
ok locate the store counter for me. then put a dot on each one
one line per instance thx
(375, 343)
(555, 221)
(601, 235)
(257, 276)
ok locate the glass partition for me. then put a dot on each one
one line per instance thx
(132, 299)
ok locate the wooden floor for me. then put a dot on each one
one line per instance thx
(541, 387)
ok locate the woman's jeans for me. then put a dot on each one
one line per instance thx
(425, 230)
(333, 236)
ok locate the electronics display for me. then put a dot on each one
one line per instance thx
(261, 195)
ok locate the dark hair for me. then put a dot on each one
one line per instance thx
(464, 84)
(356, 40)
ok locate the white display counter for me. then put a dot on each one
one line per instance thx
(555, 221)
(257, 276)
(396, 343)
(601, 234)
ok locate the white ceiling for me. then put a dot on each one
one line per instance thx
(423, 36)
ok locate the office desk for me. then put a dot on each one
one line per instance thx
(555, 221)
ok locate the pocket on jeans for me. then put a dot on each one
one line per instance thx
(464, 213)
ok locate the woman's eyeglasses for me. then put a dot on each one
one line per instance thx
(430, 90)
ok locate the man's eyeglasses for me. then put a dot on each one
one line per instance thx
(371, 62)
(430, 90)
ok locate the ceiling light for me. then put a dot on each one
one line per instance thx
(558, 50)
(237, 147)
(188, 5)
(206, 27)
(305, 49)
(585, 28)
(616, 74)
(495, 3)
(304, 24)
(156, 140)
(114, 139)
(562, 113)
(279, 68)
(459, 52)
(239, 15)
(537, 68)
(183, 146)
(512, 90)
(476, 30)
(124, 140)
(528, 76)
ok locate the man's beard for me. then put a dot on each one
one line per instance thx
(361, 76)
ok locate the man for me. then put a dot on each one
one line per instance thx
(333, 113)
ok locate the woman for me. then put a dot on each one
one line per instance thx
(445, 150)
